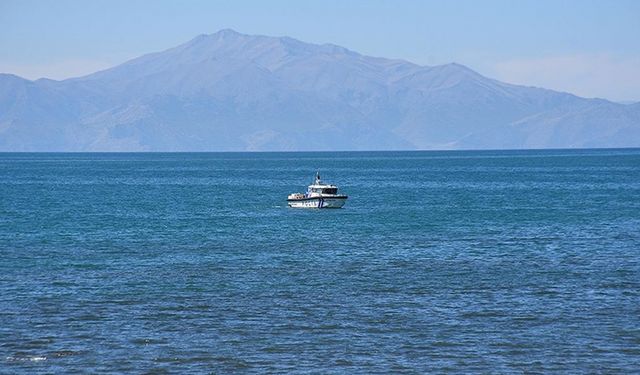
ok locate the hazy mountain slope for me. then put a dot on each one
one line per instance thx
(229, 91)
(36, 115)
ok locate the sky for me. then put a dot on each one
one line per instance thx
(586, 47)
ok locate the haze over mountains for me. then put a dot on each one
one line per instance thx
(231, 92)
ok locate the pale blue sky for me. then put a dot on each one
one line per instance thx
(591, 48)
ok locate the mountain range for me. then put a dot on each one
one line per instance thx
(232, 92)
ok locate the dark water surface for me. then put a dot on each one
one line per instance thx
(492, 262)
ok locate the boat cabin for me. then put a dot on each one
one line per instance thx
(327, 189)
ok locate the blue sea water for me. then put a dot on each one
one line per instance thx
(470, 262)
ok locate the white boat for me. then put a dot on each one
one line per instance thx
(318, 195)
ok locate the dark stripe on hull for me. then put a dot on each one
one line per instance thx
(313, 198)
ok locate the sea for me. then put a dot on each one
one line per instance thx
(440, 262)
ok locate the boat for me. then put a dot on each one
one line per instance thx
(318, 195)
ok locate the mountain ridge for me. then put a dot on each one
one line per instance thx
(231, 91)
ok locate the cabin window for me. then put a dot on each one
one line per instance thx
(330, 191)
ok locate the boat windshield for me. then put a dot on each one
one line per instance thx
(330, 191)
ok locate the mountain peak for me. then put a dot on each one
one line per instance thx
(227, 32)
(222, 34)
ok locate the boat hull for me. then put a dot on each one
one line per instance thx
(317, 202)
